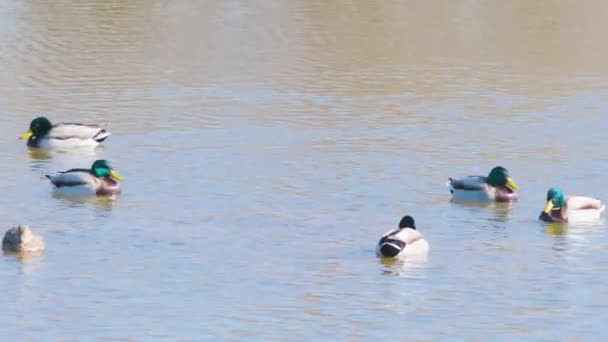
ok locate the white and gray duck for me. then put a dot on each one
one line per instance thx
(560, 208)
(100, 179)
(22, 239)
(402, 241)
(43, 134)
(496, 187)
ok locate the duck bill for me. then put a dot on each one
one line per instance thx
(511, 184)
(115, 175)
(548, 207)
(26, 135)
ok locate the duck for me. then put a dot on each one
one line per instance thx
(560, 208)
(497, 186)
(43, 134)
(22, 239)
(402, 241)
(100, 179)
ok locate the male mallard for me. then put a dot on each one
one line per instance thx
(43, 134)
(497, 186)
(402, 241)
(101, 179)
(22, 239)
(571, 208)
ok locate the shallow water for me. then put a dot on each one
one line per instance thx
(265, 147)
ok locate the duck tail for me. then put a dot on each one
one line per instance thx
(450, 185)
(391, 248)
(102, 135)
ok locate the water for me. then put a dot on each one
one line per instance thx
(265, 146)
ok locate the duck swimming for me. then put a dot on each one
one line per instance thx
(496, 187)
(22, 239)
(402, 241)
(100, 179)
(571, 208)
(43, 134)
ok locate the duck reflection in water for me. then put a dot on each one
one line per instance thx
(412, 266)
(106, 203)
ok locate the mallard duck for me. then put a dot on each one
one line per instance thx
(402, 241)
(22, 239)
(101, 179)
(43, 134)
(496, 187)
(571, 208)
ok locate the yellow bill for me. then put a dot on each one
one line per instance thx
(548, 207)
(511, 184)
(26, 135)
(115, 175)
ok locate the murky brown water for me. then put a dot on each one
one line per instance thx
(267, 145)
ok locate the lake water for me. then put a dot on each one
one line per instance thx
(266, 145)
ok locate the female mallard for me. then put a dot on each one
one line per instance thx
(402, 241)
(22, 239)
(101, 179)
(43, 134)
(496, 187)
(571, 208)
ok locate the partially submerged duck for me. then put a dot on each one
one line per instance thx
(43, 134)
(22, 239)
(404, 240)
(100, 179)
(571, 208)
(496, 187)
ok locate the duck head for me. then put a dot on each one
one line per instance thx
(102, 168)
(407, 222)
(555, 199)
(38, 127)
(499, 176)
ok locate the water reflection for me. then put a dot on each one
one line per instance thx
(47, 154)
(29, 260)
(40, 159)
(102, 202)
(573, 239)
(562, 228)
(501, 210)
(556, 228)
(39, 153)
(410, 267)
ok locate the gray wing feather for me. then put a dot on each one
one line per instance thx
(71, 178)
(78, 131)
(468, 183)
